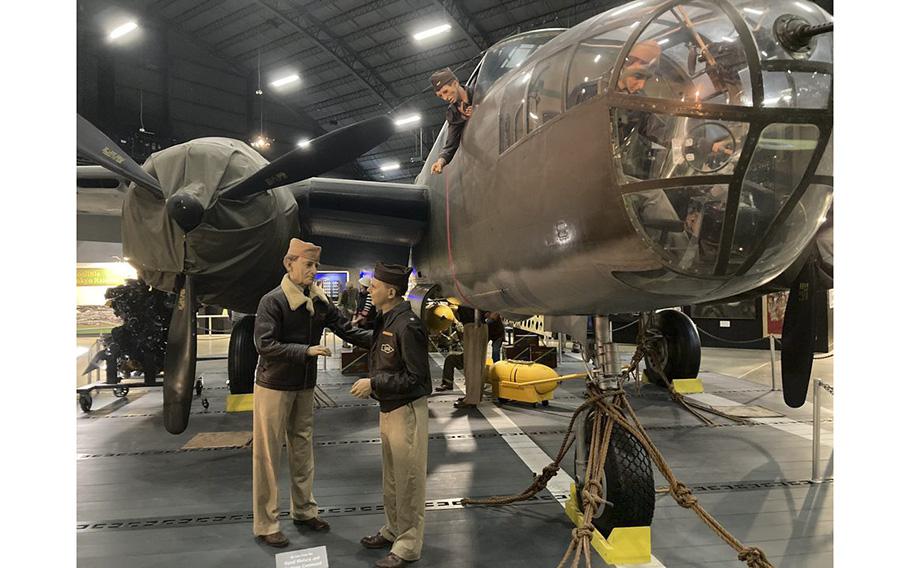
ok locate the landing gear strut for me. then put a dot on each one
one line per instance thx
(628, 479)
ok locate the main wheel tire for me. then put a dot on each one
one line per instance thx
(683, 347)
(629, 483)
(85, 402)
(242, 356)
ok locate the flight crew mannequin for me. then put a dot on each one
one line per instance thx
(288, 328)
(461, 100)
(400, 381)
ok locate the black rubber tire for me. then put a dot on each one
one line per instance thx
(242, 356)
(85, 402)
(545, 402)
(683, 347)
(629, 483)
(121, 392)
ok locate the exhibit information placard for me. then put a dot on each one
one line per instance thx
(317, 557)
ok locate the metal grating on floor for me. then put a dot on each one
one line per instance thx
(247, 516)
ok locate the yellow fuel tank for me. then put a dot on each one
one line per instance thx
(509, 379)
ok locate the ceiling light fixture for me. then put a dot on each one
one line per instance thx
(407, 120)
(123, 30)
(286, 80)
(389, 167)
(303, 143)
(432, 31)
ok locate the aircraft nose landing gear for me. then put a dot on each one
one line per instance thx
(627, 480)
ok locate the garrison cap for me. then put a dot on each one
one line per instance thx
(392, 274)
(302, 248)
(442, 77)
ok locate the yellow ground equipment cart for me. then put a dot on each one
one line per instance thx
(524, 381)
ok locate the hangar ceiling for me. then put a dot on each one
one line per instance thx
(193, 67)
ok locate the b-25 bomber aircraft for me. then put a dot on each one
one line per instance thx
(594, 177)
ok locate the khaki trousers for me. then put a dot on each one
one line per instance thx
(475, 357)
(280, 416)
(404, 437)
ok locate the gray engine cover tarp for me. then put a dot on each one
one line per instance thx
(236, 253)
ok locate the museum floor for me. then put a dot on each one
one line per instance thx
(146, 500)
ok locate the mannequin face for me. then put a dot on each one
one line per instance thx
(301, 270)
(383, 295)
(450, 92)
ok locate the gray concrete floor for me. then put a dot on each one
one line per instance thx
(752, 478)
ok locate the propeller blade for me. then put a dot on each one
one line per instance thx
(798, 336)
(180, 360)
(321, 155)
(92, 144)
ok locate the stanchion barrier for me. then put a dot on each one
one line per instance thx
(816, 427)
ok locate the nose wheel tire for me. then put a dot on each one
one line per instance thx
(85, 402)
(628, 483)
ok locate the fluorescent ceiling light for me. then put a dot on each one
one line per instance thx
(389, 167)
(123, 30)
(303, 143)
(432, 31)
(407, 120)
(663, 41)
(285, 80)
(597, 58)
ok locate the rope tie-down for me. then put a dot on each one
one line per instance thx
(611, 408)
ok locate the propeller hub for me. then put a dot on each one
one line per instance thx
(185, 210)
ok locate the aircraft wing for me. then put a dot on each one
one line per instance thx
(356, 222)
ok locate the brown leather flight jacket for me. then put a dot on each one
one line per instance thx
(282, 335)
(399, 359)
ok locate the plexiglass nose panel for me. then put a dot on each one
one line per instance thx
(778, 164)
(690, 53)
(651, 145)
(682, 224)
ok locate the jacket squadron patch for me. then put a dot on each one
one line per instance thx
(387, 349)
